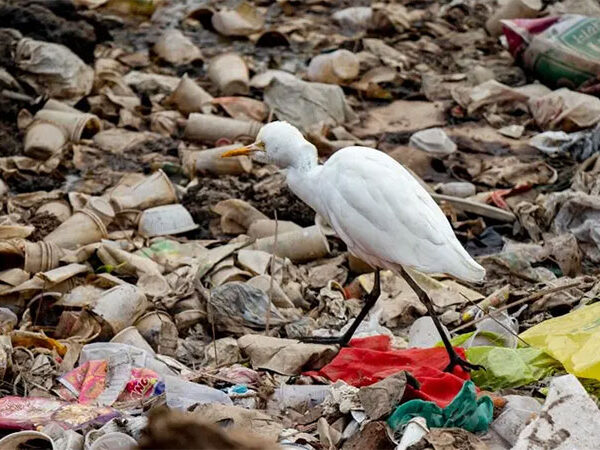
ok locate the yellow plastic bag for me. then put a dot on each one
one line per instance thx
(572, 339)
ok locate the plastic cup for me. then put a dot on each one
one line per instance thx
(56, 105)
(164, 220)
(43, 139)
(514, 9)
(154, 190)
(208, 128)
(336, 67)
(60, 209)
(210, 161)
(101, 209)
(131, 336)
(114, 441)
(77, 124)
(230, 74)
(299, 246)
(41, 256)
(25, 439)
(237, 215)
(120, 306)
(159, 330)
(188, 97)
(266, 227)
(86, 226)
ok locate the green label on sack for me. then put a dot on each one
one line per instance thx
(553, 71)
(584, 38)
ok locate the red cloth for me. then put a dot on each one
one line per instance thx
(369, 360)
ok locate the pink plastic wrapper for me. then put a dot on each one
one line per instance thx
(142, 385)
(28, 413)
(85, 383)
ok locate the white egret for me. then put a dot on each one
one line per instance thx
(380, 211)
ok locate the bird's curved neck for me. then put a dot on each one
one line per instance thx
(304, 182)
(305, 158)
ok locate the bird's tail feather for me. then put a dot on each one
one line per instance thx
(467, 268)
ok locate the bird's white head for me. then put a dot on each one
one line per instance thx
(281, 144)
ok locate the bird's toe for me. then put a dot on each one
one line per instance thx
(464, 364)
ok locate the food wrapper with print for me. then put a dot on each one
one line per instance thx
(561, 51)
(87, 382)
(28, 413)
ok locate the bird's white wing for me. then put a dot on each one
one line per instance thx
(381, 212)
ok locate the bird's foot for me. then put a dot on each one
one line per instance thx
(456, 360)
(325, 340)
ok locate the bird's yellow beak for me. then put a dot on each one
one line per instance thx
(258, 146)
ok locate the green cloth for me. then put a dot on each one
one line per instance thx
(465, 411)
(510, 367)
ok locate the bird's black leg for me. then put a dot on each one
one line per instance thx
(370, 300)
(455, 360)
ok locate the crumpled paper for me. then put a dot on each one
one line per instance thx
(284, 356)
(54, 70)
(304, 104)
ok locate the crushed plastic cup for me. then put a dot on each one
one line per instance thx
(8, 321)
(131, 336)
(229, 73)
(460, 189)
(513, 9)
(298, 396)
(182, 394)
(155, 190)
(101, 208)
(423, 333)
(78, 125)
(500, 325)
(413, 432)
(433, 140)
(59, 208)
(336, 67)
(32, 257)
(26, 439)
(41, 256)
(188, 97)
(120, 306)
(244, 20)
(210, 161)
(174, 47)
(86, 226)
(164, 220)
(158, 329)
(354, 18)
(304, 245)
(237, 215)
(56, 105)
(266, 227)
(209, 128)
(43, 139)
(114, 441)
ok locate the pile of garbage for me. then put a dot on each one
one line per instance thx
(153, 294)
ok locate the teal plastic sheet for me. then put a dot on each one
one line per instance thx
(465, 411)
